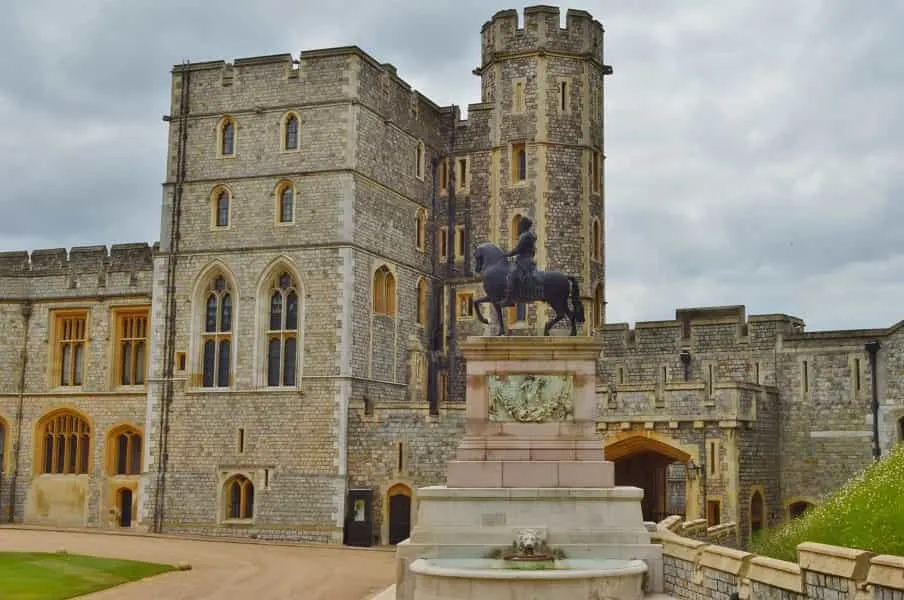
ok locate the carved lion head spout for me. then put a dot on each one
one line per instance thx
(528, 541)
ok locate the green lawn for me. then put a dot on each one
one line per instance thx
(867, 514)
(37, 576)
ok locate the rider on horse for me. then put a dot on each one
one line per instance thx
(522, 272)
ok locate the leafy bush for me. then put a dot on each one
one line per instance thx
(867, 513)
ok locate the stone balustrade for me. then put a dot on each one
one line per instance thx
(700, 569)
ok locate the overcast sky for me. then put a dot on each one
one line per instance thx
(754, 148)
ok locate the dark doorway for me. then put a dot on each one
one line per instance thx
(399, 513)
(358, 529)
(125, 507)
(646, 470)
(757, 512)
(798, 508)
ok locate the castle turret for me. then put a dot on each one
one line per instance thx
(545, 83)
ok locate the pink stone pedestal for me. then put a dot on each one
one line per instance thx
(555, 453)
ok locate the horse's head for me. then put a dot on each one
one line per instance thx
(486, 255)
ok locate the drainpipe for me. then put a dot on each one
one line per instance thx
(872, 348)
(17, 445)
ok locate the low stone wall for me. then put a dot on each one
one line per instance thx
(698, 569)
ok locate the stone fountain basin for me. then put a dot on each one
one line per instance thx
(491, 579)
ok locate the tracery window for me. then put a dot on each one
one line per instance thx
(290, 141)
(126, 446)
(282, 333)
(217, 334)
(65, 444)
(239, 498)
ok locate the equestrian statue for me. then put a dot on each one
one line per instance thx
(508, 284)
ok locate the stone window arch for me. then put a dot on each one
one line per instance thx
(384, 292)
(226, 137)
(421, 231)
(238, 494)
(420, 160)
(290, 130)
(216, 333)
(63, 440)
(799, 507)
(283, 326)
(423, 295)
(596, 238)
(124, 451)
(220, 207)
(285, 202)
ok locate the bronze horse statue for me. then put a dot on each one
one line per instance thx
(553, 287)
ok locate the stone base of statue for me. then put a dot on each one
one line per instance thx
(531, 460)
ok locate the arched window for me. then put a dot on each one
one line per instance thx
(419, 160)
(220, 199)
(384, 292)
(290, 135)
(217, 334)
(422, 297)
(757, 512)
(282, 332)
(65, 439)
(597, 315)
(595, 239)
(125, 452)
(239, 494)
(226, 137)
(285, 202)
(421, 231)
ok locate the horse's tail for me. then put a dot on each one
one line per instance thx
(577, 305)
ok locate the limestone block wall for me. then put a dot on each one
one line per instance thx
(703, 570)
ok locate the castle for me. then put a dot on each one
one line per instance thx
(284, 363)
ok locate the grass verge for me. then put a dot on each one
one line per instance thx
(867, 513)
(40, 576)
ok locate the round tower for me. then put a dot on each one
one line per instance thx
(545, 84)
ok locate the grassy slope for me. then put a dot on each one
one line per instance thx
(867, 514)
(36, 576)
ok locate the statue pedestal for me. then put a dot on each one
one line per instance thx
(530, 459)
(531, 415)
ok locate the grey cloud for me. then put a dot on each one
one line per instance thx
(753, 148)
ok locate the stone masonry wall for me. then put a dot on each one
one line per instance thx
(700, 570)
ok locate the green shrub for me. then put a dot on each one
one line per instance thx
(867, 513)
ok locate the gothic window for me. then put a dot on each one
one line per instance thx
(596, 236)
(519, 162)
(217, 334)
(125, 452)
(226, 137)
(420, 161)
(221, 204)
(285, 203)
(384, 292)
(290, 137)
(282, 332)
(239, 498)
(421, 231)
(65, 444)
(422, 296)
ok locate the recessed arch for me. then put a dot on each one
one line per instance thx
(420, 160)
(280, 322)
(596, 238)
(227, 134)
(421, 229)
(423, 298)
(639, 443)
(398, 505)
(215, 313)
(796, 506)
(63, 442)
(757, 509)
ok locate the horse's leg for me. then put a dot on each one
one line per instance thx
(560, 314)
(477, 304)
(499, 318)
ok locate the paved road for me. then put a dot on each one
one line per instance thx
(223, 570)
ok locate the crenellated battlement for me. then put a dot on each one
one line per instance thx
(541, 31)
(77, 260)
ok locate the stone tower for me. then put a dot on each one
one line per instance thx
(545, 84)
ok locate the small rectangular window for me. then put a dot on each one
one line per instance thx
(713, 512)
(519, 162)
(857, 374)
(180, 361)
(241, 440)
(461, 174)
(459, 242)
(805, 376)
(443, 243)
(465, 305)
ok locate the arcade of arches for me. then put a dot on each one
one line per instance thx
(657, 468)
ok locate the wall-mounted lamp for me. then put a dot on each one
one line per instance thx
(685, 357)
